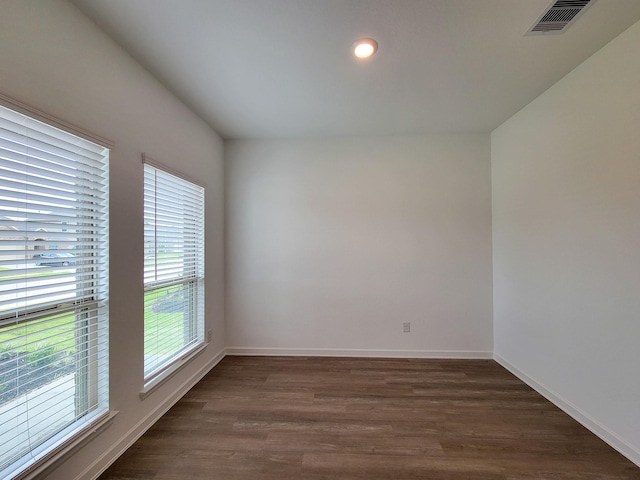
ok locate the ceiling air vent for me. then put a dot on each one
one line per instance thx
(559, 16)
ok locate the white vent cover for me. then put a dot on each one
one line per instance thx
(559, 16)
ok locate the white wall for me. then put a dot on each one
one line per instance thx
(566, 242)
(55, 59)
(332, 244)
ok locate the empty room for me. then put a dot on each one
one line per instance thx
(320, 239)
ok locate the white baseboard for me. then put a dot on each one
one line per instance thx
(103, 462)
(338, 352)
(581, 417)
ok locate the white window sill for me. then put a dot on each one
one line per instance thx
(53, 458)
(175, 367)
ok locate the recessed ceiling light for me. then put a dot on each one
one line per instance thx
(365, 47)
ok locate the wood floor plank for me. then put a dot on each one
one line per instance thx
(268, 418)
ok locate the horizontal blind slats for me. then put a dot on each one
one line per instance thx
(21, 120)
(53, 285)
(174, 267)
(44, 164)
(40, 142)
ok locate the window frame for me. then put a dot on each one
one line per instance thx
(94, 336)
(184, 355)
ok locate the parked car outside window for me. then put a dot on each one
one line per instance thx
(54, 259)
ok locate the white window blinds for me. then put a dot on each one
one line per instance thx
(173, 270)
(53, 288)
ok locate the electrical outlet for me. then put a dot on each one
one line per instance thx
(208, 336)
(406, 327)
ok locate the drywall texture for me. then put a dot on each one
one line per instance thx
(333, 244)
(566, 232)
(54, 59)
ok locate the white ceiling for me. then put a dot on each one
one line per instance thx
(283, 68)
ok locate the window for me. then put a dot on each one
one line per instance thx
(173, 270)
(53, 289)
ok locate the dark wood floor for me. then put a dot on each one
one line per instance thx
(259, 418)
